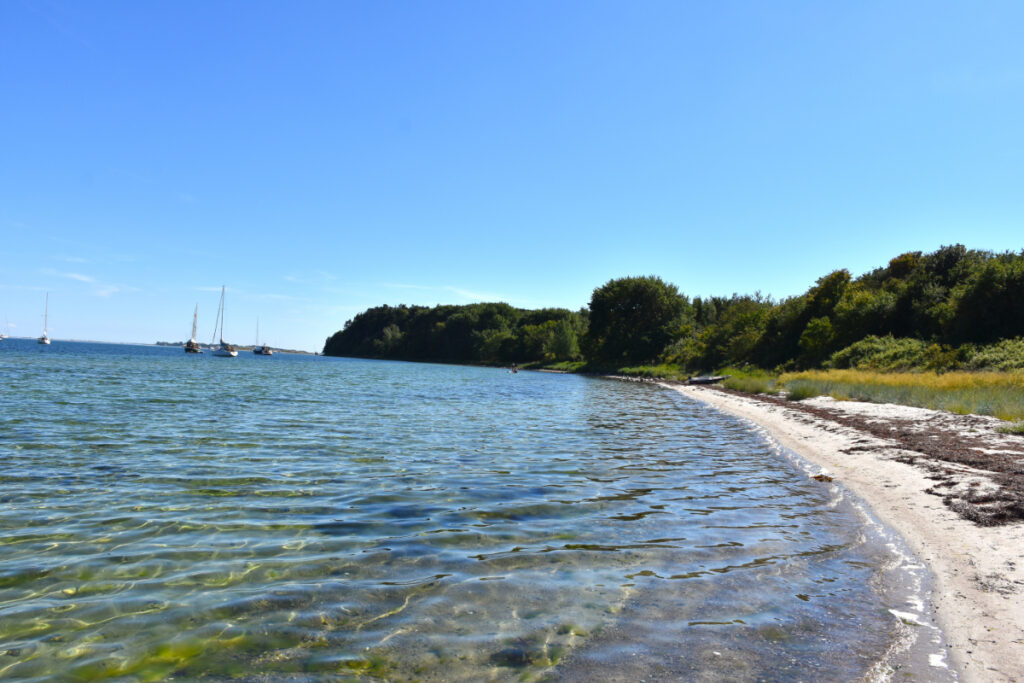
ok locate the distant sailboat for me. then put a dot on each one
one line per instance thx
(45, 339)
(226, 350)
(261, 349)
(192, 346)
(7, 330)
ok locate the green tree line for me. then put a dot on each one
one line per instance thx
(944, 309)
(476, 333)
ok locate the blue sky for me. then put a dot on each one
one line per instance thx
(320, 158)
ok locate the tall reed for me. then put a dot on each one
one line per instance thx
(1000, 394)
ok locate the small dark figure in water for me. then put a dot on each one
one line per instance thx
(514, 369)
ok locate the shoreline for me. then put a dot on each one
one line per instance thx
(977, 571)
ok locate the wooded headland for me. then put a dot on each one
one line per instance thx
(952, 309)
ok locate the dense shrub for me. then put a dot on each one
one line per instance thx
(881, 353)
(1007, 354)
(738, 327)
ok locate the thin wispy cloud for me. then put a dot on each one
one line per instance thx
(476, 296)
(318, 277)
(332, 312)
(106, 291)
(100, 289)
(399, 285)
(465, 294)
(271, 296)
(68, 249)
(70, 276)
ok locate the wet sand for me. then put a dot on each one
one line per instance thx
(930, 500)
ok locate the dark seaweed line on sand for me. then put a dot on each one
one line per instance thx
(931, 449)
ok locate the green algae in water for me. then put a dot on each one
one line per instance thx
(375, 521)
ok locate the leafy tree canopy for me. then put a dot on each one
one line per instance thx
(633, 319)
(485, 333)
(932, 309)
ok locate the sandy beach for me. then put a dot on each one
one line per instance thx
(896, 459)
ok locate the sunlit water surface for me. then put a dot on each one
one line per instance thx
(304, 518)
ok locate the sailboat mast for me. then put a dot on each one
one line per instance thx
(216, 321)
(222, 314)
(218, 324)
(46, 313)
(195, 319)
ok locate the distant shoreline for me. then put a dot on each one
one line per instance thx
(978, 594)
(239, 347)
(205, 347)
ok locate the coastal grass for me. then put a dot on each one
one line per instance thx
(1016, 428)
(557, 366)
(566, 365)
(751, 385)
(999, 394)
(798, 391)
(663, 371)
(749, 380)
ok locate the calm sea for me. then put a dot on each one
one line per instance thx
(167, 516)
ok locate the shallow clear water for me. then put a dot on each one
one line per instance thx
(304, 518)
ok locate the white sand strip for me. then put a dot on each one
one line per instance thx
(978, 571)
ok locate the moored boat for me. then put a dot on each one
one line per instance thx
(192, 346)
(261, 349)
(224, 349)
(45, 339)
(707, 379)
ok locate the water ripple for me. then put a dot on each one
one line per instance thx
(163, 515)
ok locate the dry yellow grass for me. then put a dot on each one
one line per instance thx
(1000, 394)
